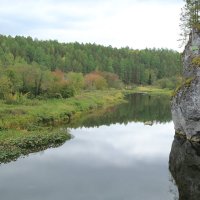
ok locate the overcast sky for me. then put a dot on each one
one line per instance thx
(120, 23)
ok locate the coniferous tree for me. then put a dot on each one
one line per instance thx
(132, 66)
(190, 18)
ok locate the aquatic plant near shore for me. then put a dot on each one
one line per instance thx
(14, 144)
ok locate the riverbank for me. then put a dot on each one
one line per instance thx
(151, 90)
(15, 143)
(32, 113)
(30, 126)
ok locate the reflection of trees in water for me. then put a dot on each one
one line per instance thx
(184, 165)
(140, 108)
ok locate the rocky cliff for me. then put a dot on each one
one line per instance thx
(186, 100)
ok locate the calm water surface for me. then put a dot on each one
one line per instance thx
(113, 156)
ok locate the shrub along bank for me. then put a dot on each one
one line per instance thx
(28, 127)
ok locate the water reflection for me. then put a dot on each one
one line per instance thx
(113, 162)
(114, 156)
(184, 165)
(133, 140)
(139, 108)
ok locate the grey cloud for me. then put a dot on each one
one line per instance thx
(19, 19)
(77, 20)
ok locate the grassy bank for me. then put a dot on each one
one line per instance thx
(33, 113)
(26, 127)
(151, 90)
(30, 126)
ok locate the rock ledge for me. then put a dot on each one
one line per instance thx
(186, 101)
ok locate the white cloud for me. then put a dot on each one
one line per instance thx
(133, 23)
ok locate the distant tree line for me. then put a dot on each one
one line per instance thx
(132, 66)
(30, 65)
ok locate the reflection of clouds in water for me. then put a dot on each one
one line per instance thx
(117, 145)
(111, 162)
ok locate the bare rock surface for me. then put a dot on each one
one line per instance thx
(186, 101)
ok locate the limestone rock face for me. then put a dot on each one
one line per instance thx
(186, 102)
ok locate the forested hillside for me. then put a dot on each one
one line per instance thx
(30, 65)
(132, 66)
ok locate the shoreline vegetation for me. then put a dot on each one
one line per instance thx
(35, 124)
(152, 90)
(31, 126)
(46, 84)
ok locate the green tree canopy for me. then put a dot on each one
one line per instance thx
(190, 18)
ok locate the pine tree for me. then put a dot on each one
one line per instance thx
(190, 18)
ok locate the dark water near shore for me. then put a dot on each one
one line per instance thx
(113, 156)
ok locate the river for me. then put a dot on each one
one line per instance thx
(120, 153)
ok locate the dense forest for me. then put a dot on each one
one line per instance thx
(37, 67)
